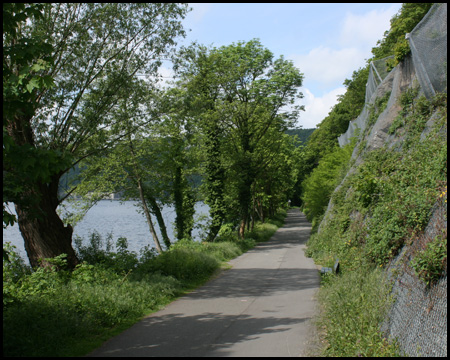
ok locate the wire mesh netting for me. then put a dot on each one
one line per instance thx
(428, 43)
(377, 73)
(418, 317)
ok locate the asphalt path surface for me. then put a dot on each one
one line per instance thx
(262, 306)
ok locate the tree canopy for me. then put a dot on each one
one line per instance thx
(68, 70)
(238, 93)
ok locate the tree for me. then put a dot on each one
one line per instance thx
(202, 99)
(178, 158)
(25, 167)
(245, 90)
(394, 42)
(98, 49)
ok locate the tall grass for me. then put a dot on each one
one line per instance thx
(353, 306)
(57, 312)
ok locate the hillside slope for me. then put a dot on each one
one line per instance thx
(387, 223)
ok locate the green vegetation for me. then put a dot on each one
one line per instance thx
(235, 94)
(57, 312)
(381, 206)
(221, 123)
(353, 307)
(429, 263)
(320, 184)
(302, 134)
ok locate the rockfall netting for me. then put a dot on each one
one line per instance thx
(418, 317)
(377, 73)
(428, 43)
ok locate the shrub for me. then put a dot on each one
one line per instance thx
(79, 314)
(319, 185)
(186, 264)
(429, 263)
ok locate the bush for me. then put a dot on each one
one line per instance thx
(320, 184)
(429, 264)
(186, 264)
(57, 312)
(99, 251)
(76, 316)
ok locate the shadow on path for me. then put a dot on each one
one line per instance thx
(260, 307)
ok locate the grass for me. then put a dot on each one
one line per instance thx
(353, 306)
(55, 312)
(384, 204)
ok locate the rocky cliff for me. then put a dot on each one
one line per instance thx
(400, 149)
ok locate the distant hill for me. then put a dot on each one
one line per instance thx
(303, 134)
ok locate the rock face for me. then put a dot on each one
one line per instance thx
(418, 317)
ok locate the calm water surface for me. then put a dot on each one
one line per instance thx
(119, 218)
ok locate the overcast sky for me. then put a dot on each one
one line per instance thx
(327, 42)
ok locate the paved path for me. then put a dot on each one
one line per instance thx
(260, 307)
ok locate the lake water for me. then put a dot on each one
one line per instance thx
(119, 218)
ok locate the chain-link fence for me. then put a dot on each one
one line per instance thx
(428, 43)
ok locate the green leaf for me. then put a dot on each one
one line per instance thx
(32, 84)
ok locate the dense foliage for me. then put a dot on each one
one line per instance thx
(382, 204)
(235, 94)
(320, 184)
(385, 203)
(57, 312)
(81, 102)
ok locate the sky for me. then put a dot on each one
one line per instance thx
(327, 42)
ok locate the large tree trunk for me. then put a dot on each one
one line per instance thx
(215, 182)
(42, 229)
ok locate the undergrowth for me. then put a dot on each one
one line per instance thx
(384, 204)
(57, 312)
